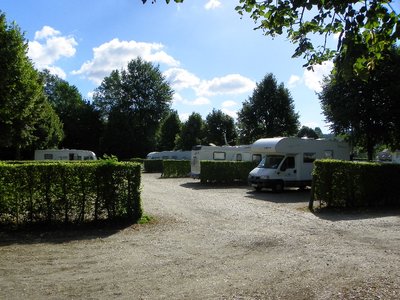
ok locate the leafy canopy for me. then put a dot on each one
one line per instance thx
(365, 28)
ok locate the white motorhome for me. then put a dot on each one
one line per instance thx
(288, 161)
(64, 154)
(177, 155)
(220, 153)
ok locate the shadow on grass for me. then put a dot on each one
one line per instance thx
(61, 233)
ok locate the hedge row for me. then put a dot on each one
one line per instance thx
(55, 192)
(153, 165)
(355, 184)
(225, 171)
(176, 168)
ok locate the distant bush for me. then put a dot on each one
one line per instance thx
(176, 168)
(54, 192)
(226, 171)
(355, 184)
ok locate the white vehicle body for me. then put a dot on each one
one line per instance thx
(386, 156)
(220, 153)
(288, 161)
(64, 154)
(178, 155)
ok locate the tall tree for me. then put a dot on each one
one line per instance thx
(22, 100)
(269, 112)
(368, 111)
(132, 102)
(81, 121)
(192, 133)
(170, 128)
(220, 128)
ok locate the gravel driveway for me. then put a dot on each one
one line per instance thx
(212, 243)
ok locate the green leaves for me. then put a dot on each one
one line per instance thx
(373, 23)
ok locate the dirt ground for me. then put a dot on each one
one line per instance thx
(211, 243)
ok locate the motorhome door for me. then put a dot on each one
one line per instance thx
(288, 170)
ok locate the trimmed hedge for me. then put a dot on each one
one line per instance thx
(153, 165)
(226, 171)
(355, 184)
(55, 192)
(176, 168)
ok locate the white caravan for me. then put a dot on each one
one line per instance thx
(177, 155)
(288, 161)
(220, 153)
(64, 154)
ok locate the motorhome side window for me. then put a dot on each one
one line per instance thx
(288, 163)
(309, 157)
(219, 155)
(239, 157)
(48, 156)
(256, 157)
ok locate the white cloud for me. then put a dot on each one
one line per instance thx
(181, 79)
(200, 101)
(229, 112)
(48, 47)
(313, 79)
(116, 54)
(212, 4)
(229, 84)
(228, 103)
(293, 81)
(45, 32)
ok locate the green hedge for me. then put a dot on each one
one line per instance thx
(153, 165)
(176, 168)
(225, 171)
(55, 192)
(355, 184)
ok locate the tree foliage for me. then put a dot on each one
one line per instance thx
(81, 121)
(170, 128)
(307, 132)
(192, 133)
(365, 28)
(368, 110)
(220, 128)
(269, 112)
(22, 101)
(132, 102)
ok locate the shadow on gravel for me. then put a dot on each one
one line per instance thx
(288, 196)
(342, 214)
(59, 235)
(196, 185)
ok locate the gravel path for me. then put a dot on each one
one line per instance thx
(212, 243)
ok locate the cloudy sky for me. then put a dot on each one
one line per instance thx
(211, 56)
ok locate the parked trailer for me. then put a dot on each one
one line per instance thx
(64, 154)
(220, 153)
(177, 155)
(288, 161)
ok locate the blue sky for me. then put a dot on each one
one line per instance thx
(211, 56)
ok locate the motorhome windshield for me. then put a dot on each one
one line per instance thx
(271, 161)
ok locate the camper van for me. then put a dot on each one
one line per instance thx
(177, 155)
(64, 154)
(220, 153)
(288, 161)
